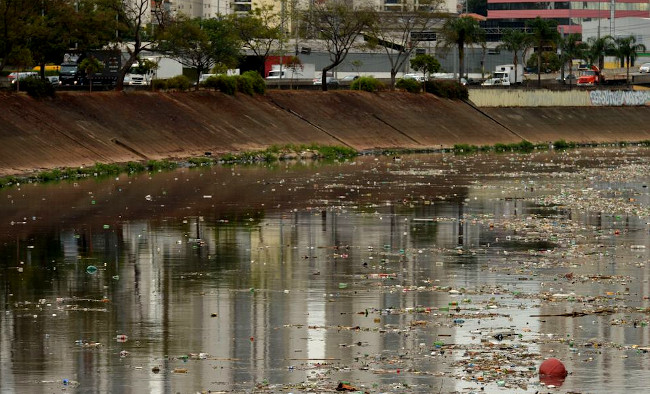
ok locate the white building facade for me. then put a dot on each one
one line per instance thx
(212, 8)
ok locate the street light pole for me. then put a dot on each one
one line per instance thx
(281, 40)
(612, 16)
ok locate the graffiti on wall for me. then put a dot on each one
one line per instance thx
(618, 97)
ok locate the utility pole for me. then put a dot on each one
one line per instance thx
(282, 17)
(562, 54)
(612, 16)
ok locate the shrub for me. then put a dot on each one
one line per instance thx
(159, 84)
(211, 82)
(200, 161)
(334, 152)
(465, 148)
(410, 85)
(367, 84)
(159, 165)
(171, 83)
(104, 169)
(37, 88)
(259, 86)
(562, 144)
(226, 84)
(447, 89)
(8, 181)
(180, 82)
(47, 176)
(525, 146)
(134, 166)
(244, 85)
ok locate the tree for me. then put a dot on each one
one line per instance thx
(95, 24)
(427, 64)
(294, 64)
(400, 32)
(339, 24)
(20, 57)
(515, 41)
(146, 67)
(598, 48)
(544, 34)
(259, 31)
(571, 48)
(459, 32)
(50, 28)
(90, 66)
(135, 28)
(357, 64)
(225, 45)
(14, 21)
(201, 44)
(626, 50)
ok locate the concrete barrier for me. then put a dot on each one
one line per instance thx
(548, 98)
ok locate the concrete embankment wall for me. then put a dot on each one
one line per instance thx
(504, 97)
(77, 129)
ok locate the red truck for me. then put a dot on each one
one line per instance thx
(590, 76)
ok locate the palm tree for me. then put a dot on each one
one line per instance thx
(515, 41)
(626, 50)
(599, 47)
(544, 34)
(572, 48)
(91, 66)
(459, 32)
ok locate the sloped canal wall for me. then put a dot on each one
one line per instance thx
(78, 129)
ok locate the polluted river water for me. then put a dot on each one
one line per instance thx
(423, 273)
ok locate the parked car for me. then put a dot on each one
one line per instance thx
(52, 79)
(645, 68)
(348, 79)
(331, 81)
(417, 77)
(19, 76)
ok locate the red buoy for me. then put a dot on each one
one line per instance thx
(552, 372)
(553, 367)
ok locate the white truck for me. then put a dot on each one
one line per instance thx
(302, 71)
(167, 68)
(506, 75)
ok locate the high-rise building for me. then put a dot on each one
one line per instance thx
(568, 14)
(212, 8)
(398, 5)
(206, 8)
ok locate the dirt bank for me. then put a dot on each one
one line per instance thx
(78, 129)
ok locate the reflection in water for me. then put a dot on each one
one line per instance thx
(391, 276)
